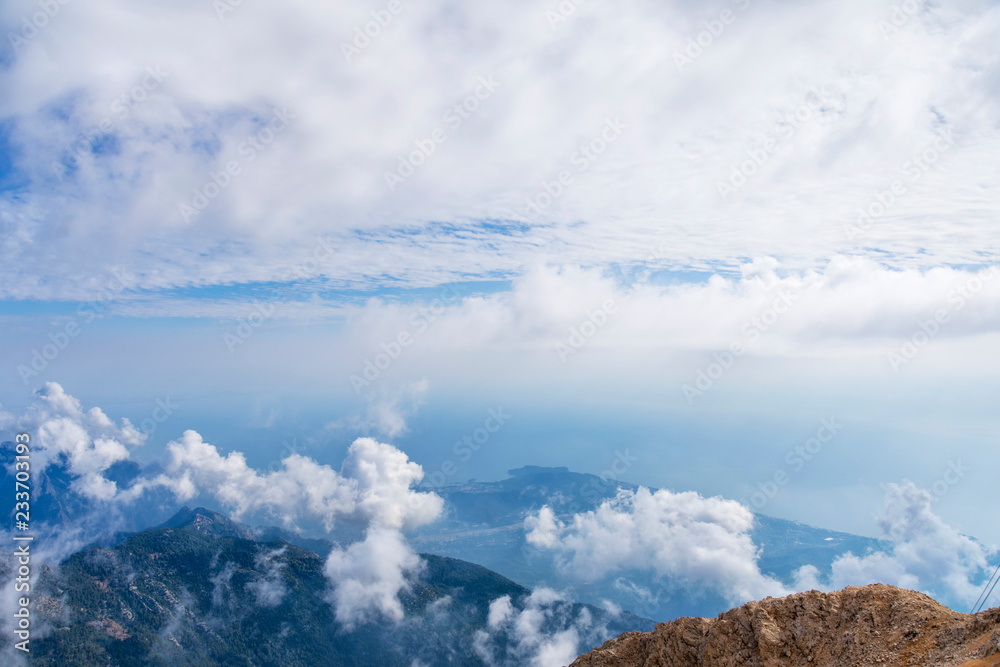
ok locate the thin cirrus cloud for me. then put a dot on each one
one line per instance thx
(683, 128)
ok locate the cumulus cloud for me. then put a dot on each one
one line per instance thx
(695, 542)
(925, 554)
(368, 576)
(86, 442)
(374, 488)
(546, 631)
(373, 484)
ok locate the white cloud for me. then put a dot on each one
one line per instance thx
(926, 554)
(695, 542)
(501, 609)
(6, 419)
(88, 442)
(325, 173)
(368, 576)
(545, 631)
(221, 584)
(373, 484)
(374, 488)
(849, 306)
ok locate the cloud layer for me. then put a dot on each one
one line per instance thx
(115, 125)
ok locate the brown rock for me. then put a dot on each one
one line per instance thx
(873, 625)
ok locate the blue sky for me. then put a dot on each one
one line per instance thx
(812, 188)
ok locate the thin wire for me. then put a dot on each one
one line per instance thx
(980, 601)
(990, 593)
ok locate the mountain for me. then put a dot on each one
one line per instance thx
(484, 523)
(201, 589)
(55, 502)
(873, 625)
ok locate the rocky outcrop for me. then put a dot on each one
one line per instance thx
(873, 625)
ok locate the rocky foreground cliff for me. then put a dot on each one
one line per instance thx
(873, 625)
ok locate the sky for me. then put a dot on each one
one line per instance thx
(728, 243)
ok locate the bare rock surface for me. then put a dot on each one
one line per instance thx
(872, 625)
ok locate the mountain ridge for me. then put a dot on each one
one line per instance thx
(200, 589)
(870, 625)
(484, 523)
